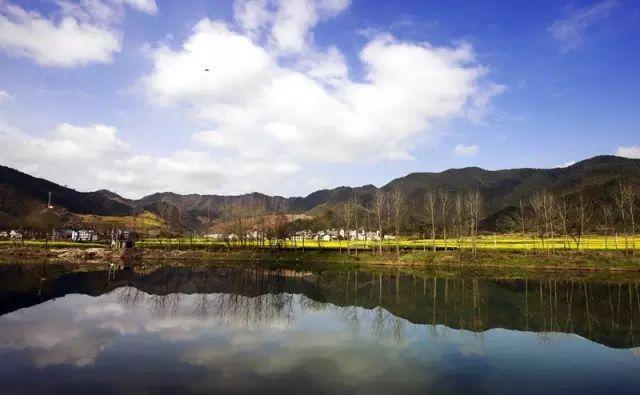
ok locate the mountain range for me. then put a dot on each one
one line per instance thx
(22, 195)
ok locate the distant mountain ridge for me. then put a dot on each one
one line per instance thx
(21, 193)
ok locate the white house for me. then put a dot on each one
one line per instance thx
(14, 234)
(252, 235)
(83, 235)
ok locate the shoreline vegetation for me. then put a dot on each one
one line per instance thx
(595, 253)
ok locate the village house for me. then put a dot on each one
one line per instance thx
(122, 238)
(14, 234)
(84, 235)
(214, 236)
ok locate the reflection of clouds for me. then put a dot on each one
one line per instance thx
(249, 344)
(71, 330)
(109, 309)
(75, 329)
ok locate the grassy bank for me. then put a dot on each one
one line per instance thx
(569, 260)
(591, 260)
(37, 244)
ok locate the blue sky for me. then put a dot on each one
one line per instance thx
(307, 94)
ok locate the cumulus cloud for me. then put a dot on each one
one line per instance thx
(93, 157)
(77, 34)
(632, 151)
(70, 154)
(4, 96)
(271, 103)
(288, 22)
(571, 31)
(465, 150)
(306, 108)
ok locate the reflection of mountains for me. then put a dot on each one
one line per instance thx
(608, 313)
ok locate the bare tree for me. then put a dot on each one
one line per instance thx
(536, 205)
(606, 217)
(523, 221)
(562, 208)
(355, 218)
(443, 197)
(459, 207)
(474, 202)
(548, 213)
(346, 217)
(583, 215)
(621, 196)
(631, 203)
(397, 198)
(378, 208)
(430, 201)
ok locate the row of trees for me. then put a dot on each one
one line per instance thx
(388, 215)
(572, 217)
(442, 214)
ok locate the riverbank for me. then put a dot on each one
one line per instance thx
(585, 260)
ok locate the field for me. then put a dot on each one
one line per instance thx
(596, 252)
(487, 242)
(145, 223)
(484, 243)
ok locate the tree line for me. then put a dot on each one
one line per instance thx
(442, 218)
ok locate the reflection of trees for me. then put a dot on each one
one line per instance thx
(129, 296)
(603, 311)
(385, 325)
(350, 318)
(249, 312)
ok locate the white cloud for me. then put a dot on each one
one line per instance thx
(632, 151)
(251, 15)
(266, 109)
(465, 150)
(571, 31)
(567, 164)
(289, 21)
(4, 96)
(80, 34)
(148, 6)
(305, 109)
(71, 154)
(295, 19)
(95, 157)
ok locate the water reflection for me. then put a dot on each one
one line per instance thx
(228, 329)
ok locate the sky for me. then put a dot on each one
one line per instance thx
(290, 96)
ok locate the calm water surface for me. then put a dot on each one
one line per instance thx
(216, 329)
